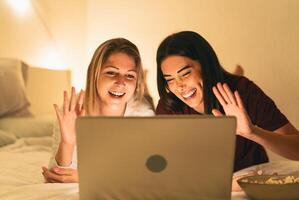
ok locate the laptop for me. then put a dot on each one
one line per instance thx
(161, 157)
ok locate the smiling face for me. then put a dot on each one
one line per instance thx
(183, 76)
(117, 80)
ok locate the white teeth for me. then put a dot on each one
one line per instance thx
(189, 94)
(117, 93)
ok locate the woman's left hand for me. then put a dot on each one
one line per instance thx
(233, 106)
(60, 175)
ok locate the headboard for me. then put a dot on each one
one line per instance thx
(45, 87)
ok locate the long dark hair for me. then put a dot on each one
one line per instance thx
(194, 46)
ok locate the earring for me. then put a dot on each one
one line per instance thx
(167, 90)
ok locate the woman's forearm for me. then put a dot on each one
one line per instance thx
(286, 145)
(64, 154)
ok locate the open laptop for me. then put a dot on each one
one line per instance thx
(162, 157)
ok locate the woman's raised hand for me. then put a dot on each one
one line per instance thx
(233, 106)
(71, 109)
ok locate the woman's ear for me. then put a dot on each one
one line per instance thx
(239, 70)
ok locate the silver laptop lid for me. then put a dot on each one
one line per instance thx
(164, 157)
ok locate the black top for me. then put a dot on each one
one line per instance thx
(262, 112)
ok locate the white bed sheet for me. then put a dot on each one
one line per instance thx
(20, 172)
(21, 178)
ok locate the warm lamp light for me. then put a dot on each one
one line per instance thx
(51, 59)
(21, 7)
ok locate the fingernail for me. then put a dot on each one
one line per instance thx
(260, 172)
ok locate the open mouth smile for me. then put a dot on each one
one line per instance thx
(189, 94)
(116, 94)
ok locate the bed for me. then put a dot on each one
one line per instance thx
(26, 126)
(26, 133)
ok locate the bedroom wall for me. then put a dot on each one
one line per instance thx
(49, 34)
(46, 34)
(67, 21)
(24, 37)
(262, 36)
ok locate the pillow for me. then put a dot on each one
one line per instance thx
(6, 138)
(28, 126)
(13, 100)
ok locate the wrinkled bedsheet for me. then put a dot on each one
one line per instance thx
(21, 173)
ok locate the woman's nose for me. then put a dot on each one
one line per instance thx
(180, 85)
(120, 81)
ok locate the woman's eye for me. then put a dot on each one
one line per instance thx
(186, 74)
(169, 81)
(130, 77)
(110, 73)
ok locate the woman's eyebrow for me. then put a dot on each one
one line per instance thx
(111, 66)
(166, 75)
(132, 70)
(183, 68)
(180, 70)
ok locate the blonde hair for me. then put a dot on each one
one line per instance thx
(100, 56)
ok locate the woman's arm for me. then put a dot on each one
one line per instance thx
(65, 140)
(283, 141)
(64, 154)
(56, 147)
(72, 108)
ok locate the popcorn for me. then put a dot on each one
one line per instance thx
(274, 180)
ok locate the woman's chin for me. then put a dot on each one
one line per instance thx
(115, 100)
(193, 103)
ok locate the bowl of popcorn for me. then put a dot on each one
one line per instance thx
(271, 187)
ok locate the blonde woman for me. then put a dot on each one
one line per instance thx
(114, 87)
